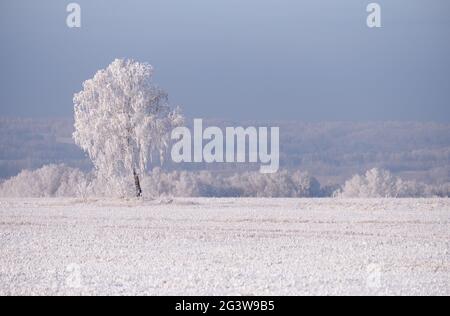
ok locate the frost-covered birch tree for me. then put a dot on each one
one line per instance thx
(121, 120)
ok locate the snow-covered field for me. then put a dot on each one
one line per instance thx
(225, 247)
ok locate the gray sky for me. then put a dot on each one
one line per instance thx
(236, 59)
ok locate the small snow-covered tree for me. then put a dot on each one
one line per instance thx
(375, 183)
(48, 181)
(378, 183)
(121, 120)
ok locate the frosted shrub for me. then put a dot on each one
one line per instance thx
(249, 184)
(49, 181)
(378, 183)
(159, 183)
(442, 190)
(306, 186)
(281, 184)
(183, 184)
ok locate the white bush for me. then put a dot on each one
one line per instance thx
(281, 184)
(49, 181)
(442, 190)
(378, 183)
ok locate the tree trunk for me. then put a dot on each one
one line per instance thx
(137, 183)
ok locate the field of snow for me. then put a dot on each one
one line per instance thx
(225, 247)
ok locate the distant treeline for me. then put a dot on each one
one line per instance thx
(63, 181)
(331, 151)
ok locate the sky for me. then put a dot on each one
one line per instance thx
(311, 60)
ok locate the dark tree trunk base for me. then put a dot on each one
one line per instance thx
(137, 183)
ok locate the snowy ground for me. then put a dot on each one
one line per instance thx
(225, 247)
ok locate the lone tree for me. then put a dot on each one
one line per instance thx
(122, 119)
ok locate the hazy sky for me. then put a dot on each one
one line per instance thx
(236, 59)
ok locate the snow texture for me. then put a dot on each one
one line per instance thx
(225, 247)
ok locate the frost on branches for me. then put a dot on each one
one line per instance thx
(64, 181)
(48, 181)
(122, 120)
(378, 183)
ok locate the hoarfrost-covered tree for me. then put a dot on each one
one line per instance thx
(375, 183)
(48, 181)
(378, 183)
(121, 120)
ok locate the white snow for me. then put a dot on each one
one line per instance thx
(225, 247)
